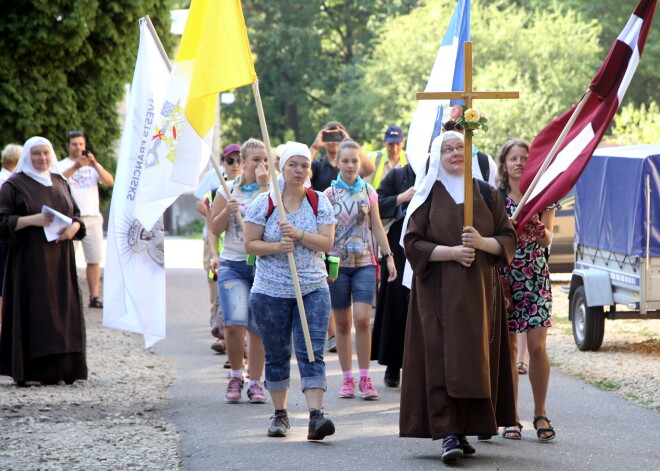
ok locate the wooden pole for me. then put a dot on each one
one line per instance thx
(551, 155)
(163, 53)
(280, 209)
(467, 144)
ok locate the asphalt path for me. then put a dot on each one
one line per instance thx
(595, 429)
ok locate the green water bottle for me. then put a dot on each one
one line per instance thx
(332, 265)
(251, 260)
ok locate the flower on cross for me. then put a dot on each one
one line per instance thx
(470, 118)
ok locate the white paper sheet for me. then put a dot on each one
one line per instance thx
(60, 221)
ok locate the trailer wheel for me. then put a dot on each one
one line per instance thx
(588, 322)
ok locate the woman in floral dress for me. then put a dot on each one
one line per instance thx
(529, 280)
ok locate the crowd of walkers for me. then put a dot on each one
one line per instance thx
(452, 302)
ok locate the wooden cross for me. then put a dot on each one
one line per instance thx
(468, 95)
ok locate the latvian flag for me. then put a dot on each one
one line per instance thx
(607, 90)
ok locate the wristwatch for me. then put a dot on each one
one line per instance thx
(391, 254)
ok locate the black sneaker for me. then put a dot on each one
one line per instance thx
(451, 448)
(280, 424)
(392, 377)
(319, 426)
(467, 448)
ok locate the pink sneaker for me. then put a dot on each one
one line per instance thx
(367, 389)
(234, 389)
(347, 390)
(255, 394)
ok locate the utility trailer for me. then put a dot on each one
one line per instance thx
(617, 241)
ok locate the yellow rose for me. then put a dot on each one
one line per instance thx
(472, 115)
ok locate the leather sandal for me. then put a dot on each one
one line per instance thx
(522, 367)
(514, 432)
(541, 430)
(96, 302)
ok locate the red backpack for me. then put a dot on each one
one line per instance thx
(312, 197)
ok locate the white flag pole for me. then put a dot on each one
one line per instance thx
(280, 209)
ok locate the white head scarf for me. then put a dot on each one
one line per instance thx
(424, 183)
(289, 150)
(25, 162)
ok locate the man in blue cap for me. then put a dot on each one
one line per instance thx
(389, 157)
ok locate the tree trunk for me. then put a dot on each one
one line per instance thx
(291, 119)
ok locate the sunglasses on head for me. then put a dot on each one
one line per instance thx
(232, 160)
(76, 134)
(449, 126)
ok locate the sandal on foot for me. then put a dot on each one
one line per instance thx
(513, 432)
(541, 430)
(522, 367)
(96, 302)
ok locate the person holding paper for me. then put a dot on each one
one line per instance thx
(42, 340)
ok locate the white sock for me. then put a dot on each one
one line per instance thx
(252, 383)
(237, 373)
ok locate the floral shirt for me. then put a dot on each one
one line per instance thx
(354, 242)
(273, 276)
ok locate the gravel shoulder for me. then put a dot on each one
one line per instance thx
(627, 364)
(112, 421)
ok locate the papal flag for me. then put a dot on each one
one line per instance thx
(214, 56)
(134, 279)
(605, 94)
(446, 76)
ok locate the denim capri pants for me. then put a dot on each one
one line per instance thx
(353, 285)
(277, 319)
(234, 283)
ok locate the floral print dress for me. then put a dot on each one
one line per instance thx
(529, 278)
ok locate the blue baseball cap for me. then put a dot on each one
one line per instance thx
(393, 134)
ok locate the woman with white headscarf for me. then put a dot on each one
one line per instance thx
(308, 232)
(458, 379)
(43, 329)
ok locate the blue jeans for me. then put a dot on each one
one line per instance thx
(234, 284)
(353, 285)
(277, 318)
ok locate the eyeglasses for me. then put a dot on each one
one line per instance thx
(450, 150)
(450, 126)
(232, 161)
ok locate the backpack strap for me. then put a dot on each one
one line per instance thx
(484, 165)
(311, 195)
(484, 189)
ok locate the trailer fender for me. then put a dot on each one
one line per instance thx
(597, 286)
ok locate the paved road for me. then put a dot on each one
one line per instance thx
(596, 430)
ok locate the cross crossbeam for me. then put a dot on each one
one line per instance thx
(467, 95)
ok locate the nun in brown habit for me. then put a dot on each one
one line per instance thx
(458, 377)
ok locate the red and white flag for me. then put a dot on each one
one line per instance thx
(607, 90)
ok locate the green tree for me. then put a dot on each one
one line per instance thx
(636, 125)
(301, 50)
(64, 65)
(612, 16)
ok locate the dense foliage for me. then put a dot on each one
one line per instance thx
(64, 66)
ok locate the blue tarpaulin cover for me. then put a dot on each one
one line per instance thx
(610, 200)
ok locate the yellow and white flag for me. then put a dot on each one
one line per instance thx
(214, 56)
